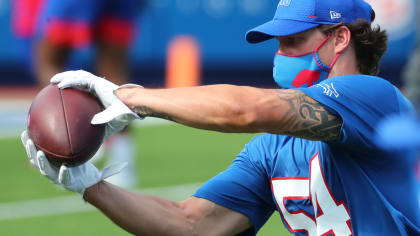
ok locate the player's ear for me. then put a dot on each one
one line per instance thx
(342, 36)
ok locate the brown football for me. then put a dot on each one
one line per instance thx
(59, 125)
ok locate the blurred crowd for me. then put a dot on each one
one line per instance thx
(411, 74)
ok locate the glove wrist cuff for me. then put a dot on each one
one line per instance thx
(129, 86)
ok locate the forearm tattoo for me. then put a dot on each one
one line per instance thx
(307, 118)
(144, 111)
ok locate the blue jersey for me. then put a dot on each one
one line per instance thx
(345, 187)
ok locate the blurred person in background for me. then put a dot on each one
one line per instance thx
(65, 26)
(411, 73)
(400, 133)
(25, 15)
(317, 163)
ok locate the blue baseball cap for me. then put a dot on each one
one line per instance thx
(295, 16)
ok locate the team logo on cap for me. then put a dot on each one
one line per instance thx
(335, 15)
(284, 3)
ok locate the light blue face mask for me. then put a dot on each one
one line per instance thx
(302, 70)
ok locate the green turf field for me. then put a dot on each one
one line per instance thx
(168, 155)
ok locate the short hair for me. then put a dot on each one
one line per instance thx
(370, 43)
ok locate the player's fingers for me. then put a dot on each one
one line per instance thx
(64, 175)
(75, 79)
(71, 79)
(31, 152)
(24, 137)
(45, 167)
(113, 169)
(73, 82)
(57, 78)
(120, 111)
(105, 116)
(42, 163)
(29, 148)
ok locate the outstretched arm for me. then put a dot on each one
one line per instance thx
(138, 213)
(142, 214)
(224, 108)
(241, 109)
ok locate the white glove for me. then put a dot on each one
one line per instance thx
(75, 179)
(116, 115)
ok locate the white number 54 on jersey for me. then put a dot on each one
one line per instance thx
(332, 217)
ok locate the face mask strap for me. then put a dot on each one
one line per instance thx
(305, 54)
(335, 60)
(318, 60)
(323, 42)
(316, 56)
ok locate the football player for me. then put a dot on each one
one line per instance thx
(317, 165)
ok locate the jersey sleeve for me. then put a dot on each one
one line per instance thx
(361, 101)
(242, 187)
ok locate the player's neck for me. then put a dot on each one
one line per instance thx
(346, 65)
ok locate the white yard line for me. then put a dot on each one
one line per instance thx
(75, 204)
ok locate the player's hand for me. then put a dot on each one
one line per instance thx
(116, 115)
(75, 179)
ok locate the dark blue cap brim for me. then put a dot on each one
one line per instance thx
(276, 28)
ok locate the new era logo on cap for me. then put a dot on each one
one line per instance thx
(284, 3)
(335, 15)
